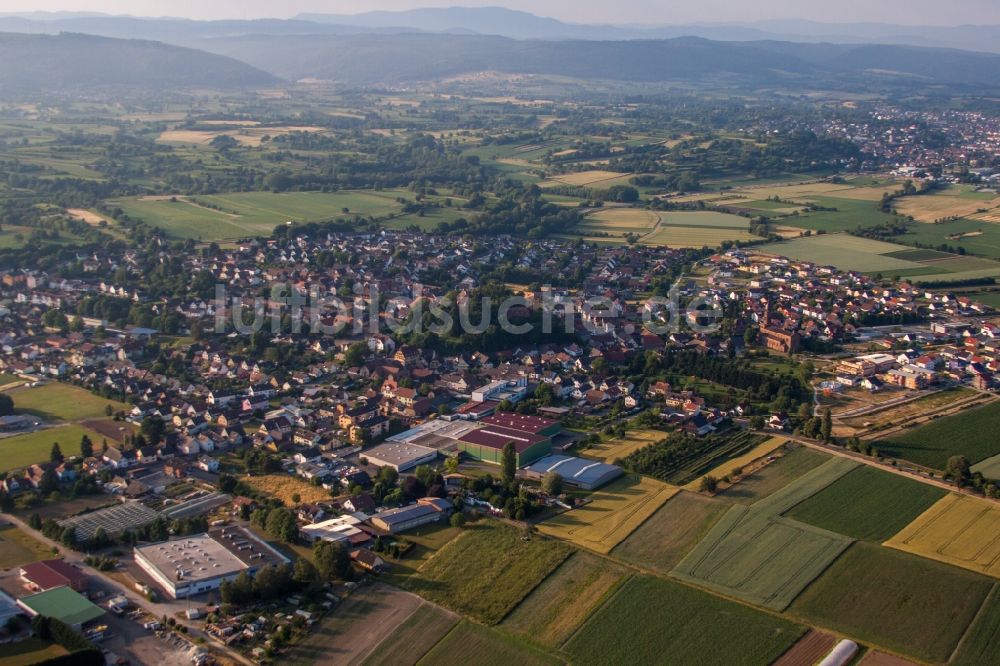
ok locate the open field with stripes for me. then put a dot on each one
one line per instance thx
(753, 553)
(611, 513)
(958, 530)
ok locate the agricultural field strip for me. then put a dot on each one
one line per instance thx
(754, 554)
(959, 530)
(764, 449)
(611, 516)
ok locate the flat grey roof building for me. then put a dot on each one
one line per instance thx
(401, 456)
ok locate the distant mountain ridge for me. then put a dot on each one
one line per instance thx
(69, 62)
(407, 58)
(501, 22)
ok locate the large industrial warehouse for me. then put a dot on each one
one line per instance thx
(533, 437)
(196, 564)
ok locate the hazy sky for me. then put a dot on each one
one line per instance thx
(916, 12)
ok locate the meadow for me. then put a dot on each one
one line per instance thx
(63, 402)
(21, 451)
(753, 554)
(611, 514)
(487, 571)
(654, 621)
(470, 643)
(958, 530)
(774, 476)
(670, 533)
(970, 433)
(283, 487)
(867, 504)
(18, 548)
(244, 214)
(561, 603)
(906, 603)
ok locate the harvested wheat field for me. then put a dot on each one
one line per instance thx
(615, 449)
(584, 178)
(611, 515)
(959, 530)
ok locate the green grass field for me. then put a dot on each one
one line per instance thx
(980, 644)
(774, 476)
(487, 570)
(900, 601)
(62, 402)
(18, 548)
(254, 213)
(656, 621)
(469, 643)
(867, 504)
(562, 602)
(846, 252)
(754, 554)
(971, 434)
(667, 536)
(850, 214)
(23, 450)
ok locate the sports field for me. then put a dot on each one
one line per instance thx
(615, 449)
(906, 603)
(765, 448)
(553, 611)
(960, 530)
(656, 621)
(612, 513)
(867, 504)
(243, 214)
(470, 643)
(23, 450)
(63, 402)
(670, 533)
(754, 554)
(487, 570)
(774, 476)
(971, 433)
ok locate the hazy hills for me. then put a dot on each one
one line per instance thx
(68, 62)
(401, 58)
(501, 22)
